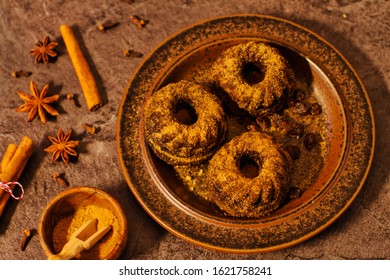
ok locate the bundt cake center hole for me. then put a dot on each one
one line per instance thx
(252, 73)
(185, 113)
(249, 167)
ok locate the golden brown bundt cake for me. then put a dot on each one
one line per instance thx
(253, 193)
(255, 75)
(184, 123)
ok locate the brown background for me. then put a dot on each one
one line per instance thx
(360, 30)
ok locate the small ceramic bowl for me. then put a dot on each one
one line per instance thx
(68, 202)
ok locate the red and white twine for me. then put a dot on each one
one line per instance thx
(7, 187)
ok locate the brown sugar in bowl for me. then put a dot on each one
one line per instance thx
(69, 202)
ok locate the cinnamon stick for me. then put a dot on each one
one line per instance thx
(12, 166)
(83, 71)
(9, 153)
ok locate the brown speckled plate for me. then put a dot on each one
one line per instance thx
(349, 136)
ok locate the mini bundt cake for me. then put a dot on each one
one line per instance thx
(184, 123)
(243, 193)
(255, 75)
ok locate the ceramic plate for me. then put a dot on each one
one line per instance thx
(348, 136)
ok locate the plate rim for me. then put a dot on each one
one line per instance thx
(246, 250)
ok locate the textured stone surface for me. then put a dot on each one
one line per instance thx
(358, 29)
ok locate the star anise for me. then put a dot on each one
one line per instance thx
(42, 50)
(37, 103)
(62, 146)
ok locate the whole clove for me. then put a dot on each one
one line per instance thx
(107, 25)
(89, 128)
(21, 73)
(140, 23)
(25, 239)
(72, 98)
(132, 53)
(58, 177)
